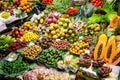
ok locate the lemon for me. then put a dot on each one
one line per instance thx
(46, 35)
(70, 31)
(53, 32)
(73, 35)
(60, 23)
(36, 21)
(65, 25)
(55, 36)
(58, 35)
(41, 20)
(52, 24)
(63, 34)
(58, 30)
(67, 35)
(51, 28)
(55, 25)
(86, 31)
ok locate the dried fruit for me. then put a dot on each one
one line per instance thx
(99, 62)
(32, 51)
(16, 45)
(61, 44)
(104, 71)
(44, 42)
(85, 63)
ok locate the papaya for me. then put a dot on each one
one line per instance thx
(98, 51)
(115, 57)
(115, 21)
(110, 48)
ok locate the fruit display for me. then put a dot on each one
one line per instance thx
(40, 29)
(29, 36)
(52, 17)
(50, 56)
(10, 10)
(26, 7)
(79, 47)
(86, 61)
(47, 1)
(97, 3)
(92, 29)
(16, 33)
(64, 22)
(79, 25)
(60, 44)
(69, 61)
(16, 2)
(98, 52)
(28, 26)
(70, 34)
(104, 71)
(16, 45)
(107, 50)
(51, 7)
(32, 51)
(60, 40)
(99, 62)
(53, 31)
(44, 42)
(5, 41)
(72, 11)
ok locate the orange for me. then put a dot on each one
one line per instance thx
(27, 6)
(24, 7)
(30, 5)
(27, 10)
(22, 4)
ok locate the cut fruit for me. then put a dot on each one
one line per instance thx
(115, 57)
(98, 52)
(110, 48)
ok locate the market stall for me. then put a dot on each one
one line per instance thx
(60, 40)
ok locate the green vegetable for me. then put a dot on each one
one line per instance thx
(109, 11)
(95, 18)
(15, 67)
(50, 56)
(5, 41)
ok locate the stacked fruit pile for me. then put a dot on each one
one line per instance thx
(16, 33)
(79, 47)
(29, 36)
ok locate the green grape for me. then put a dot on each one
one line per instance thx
(5, 14)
